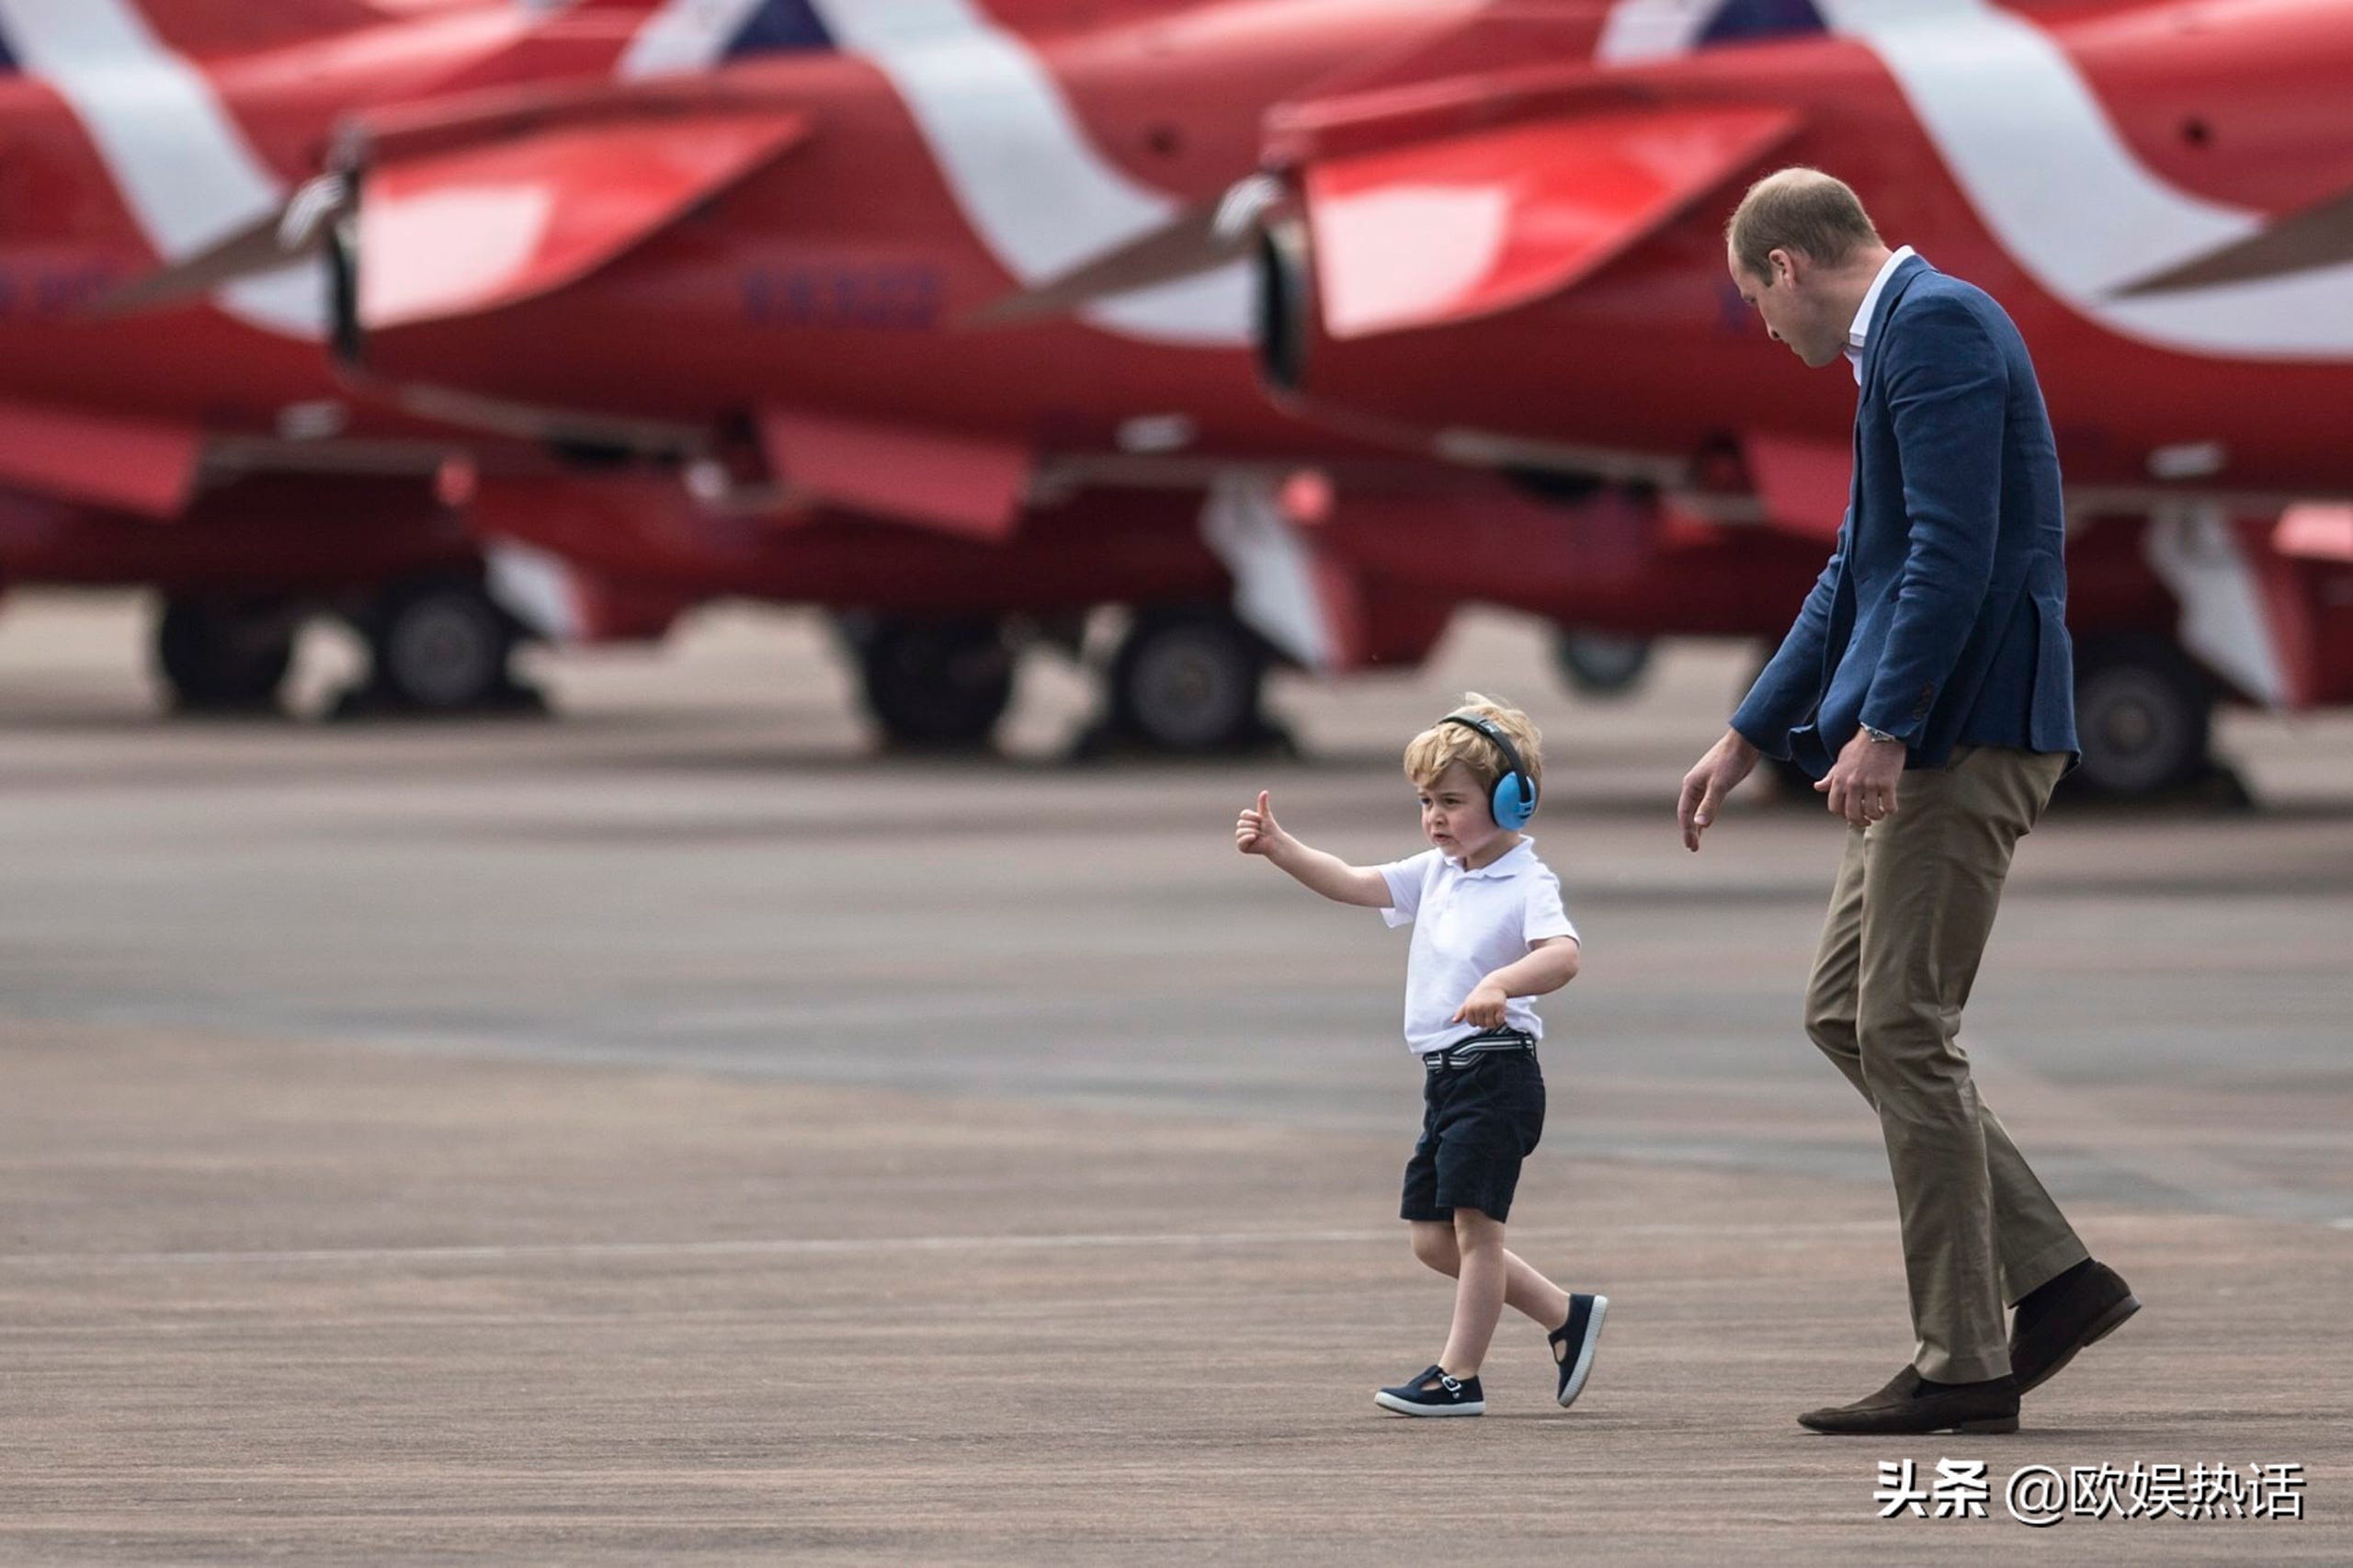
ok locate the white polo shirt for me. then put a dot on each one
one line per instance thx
(1467, 925)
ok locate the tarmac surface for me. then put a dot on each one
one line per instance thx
(672, 1131)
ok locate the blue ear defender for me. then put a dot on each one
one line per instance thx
(1514, 800)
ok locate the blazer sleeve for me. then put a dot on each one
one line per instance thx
(1791, 679)
(1947, 393)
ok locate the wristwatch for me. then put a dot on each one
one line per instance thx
(1881, 735)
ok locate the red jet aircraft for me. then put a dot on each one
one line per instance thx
(208, 451)
(755, 264)
(1504, 252)
(1498, 239)
(759, 270)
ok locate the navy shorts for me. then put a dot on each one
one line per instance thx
(1478, 1123)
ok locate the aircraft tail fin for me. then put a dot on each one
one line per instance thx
(1425, 233)
(457, 205)
(461, 213)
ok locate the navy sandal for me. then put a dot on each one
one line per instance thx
(1433, 1393)
(1573, 1343)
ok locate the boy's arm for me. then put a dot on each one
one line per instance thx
(1257, 833)
(1330, 876)
(1550, 963)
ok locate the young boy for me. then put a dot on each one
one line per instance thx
(1489, 933)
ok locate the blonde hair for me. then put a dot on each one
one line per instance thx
(1801, 210)
(1440, 747)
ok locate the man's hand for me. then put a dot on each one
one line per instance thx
(1256, 832)
(1862, 782)
(1728, 762)
(1483, 1007)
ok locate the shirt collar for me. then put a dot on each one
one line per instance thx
(1500, 866)
(1859, 332)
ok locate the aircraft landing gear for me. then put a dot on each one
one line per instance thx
(1598, 665)
(438, 646)
(2144, 716)
(1189, 679)
(225, 655)
(933, 686)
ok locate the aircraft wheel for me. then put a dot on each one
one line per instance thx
(1190, 680)
(2145, 715)
(936, 685)
(224, 655)
(1596, 663)
(440, 645)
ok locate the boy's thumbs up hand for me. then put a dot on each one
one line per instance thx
(1256, 831)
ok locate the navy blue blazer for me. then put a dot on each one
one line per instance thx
(1941, 617)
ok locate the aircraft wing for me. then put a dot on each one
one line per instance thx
(941, 479)
(1452, 229)
(133, 465)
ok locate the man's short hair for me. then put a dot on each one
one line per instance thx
(1440, 747)
(1799, 209)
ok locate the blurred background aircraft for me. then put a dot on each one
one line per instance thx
(1495, 246)
(208, 451)
(745, 282)
(1500, 253)
(947, 316)
(742, 290)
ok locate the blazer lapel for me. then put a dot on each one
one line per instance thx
(1875, 339)
(1875, 332)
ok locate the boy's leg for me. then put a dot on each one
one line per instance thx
(1479, 1287)
(1525, 1289)
(1494, 1118)
(1434, 1245)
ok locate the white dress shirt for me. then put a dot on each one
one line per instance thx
(1861, 330)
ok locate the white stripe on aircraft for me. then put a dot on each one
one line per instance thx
(1036, 191)
(183, 166)
(684, 35)
(2044, 165)
(1651, 30)
(2030, 142)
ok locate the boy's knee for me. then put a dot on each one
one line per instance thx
(1434, 1246)
(1473, 1229)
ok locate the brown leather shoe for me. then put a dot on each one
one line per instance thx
(1903, 1408)
(2045, 1335)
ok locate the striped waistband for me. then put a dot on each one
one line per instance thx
(1463, 1053)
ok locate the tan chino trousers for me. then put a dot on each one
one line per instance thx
(1909, 918)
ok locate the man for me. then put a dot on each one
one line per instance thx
(1927, 684)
